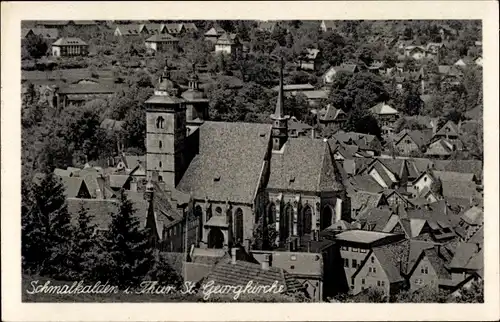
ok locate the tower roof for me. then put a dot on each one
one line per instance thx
(279, 112)
(165, 84)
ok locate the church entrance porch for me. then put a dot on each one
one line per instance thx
(215, 238)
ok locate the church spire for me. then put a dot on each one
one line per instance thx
(280, 120)
(280, 106)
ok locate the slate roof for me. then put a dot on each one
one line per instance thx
(415, 250)
(420, 137)
(438, 263)
(162, 38)
(390, 258)
(312, 95)
(365, 182)
(375, 219)
(454, 176)
(383, 109)
(242, 272)
(69, 41)
(290, 172)
(232, 152)
(473, 216)
(458, 189)
(331, 114)
(303, 263)
(465, 257)
(362, 236)
(365, 199)
(72, 186)
(294, 124)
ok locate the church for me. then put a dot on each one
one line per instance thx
(240, 174)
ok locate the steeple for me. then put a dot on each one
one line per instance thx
(166, 86)
(280, 120)
(193, 79)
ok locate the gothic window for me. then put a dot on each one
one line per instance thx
(160, 122)
(307, 220)
(271, 215)
(285, 222)
(326, 218)
(238, 225)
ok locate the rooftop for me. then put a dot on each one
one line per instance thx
(362, 236)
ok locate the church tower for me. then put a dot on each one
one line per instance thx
(196, 101)
(166, 131)
(280, 120)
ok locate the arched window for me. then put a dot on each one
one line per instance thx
(209, 213)
(160, 164)
(271, 214)
(160, 122)
(160, 144)
(238, 225)
(307, 220)
(218, 211)
(285, 222)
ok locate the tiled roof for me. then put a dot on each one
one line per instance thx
(319, 94)
(375, 218)
(69, 42)
(391, 257)
(298, 263)
(419, 137)
(473, 216)
(440, 147)
(218, 171)
(242, 272)
(458, 189)
(215, 31)
(416, 249)
(331, 114)
(294, 124)
(189, 26)
(72, 186)
(464, 253)
(162, 38)
(362, 236)
(454, 176)
(365, 182)
(289, 172)
(48, 33)
(438, 263)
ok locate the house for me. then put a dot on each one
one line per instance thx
(64, 47)
(332, 117)
(297, 128)
(61, 24)
(389, 173)
(362, 201)
(190, 27)
(78, 94)
(441, 149)
(48, 34)
(310, 268)
(310, 59)
(415, 52)
(214, 33)
(435, 50)
(430, 267)
(354, 246)
(464, 62)
(467, 261)
(228, 44)
(75, 187)
(386, 115)
(133, 165)
(327, 25)
(409, 141)
(376, 67)
(333, 71)
(130, 30)
(449, 130)
(267, 26)
(471, 221)
(382, 269)
(367, 143)
(239, 273)
(162, 43)
(314, 98)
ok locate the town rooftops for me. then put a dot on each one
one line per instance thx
(365, 236)
(315, 95)
(215, 31)
(331, 114)
(227, 39)
(69, 41)
(48, 33)
(162, 38)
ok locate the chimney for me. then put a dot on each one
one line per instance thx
(233, 255)
(265, 262)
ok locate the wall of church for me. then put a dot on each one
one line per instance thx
(153, 117)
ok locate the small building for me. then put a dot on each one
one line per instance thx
(293, 89)
(130, 30)
(410, 141)
(228, 44)
(314, 98)
(48, 34)
(310, 60)
(471, 221)
(386, 115)
(332, 117)
(214, 33)
(330, 74)
(78, 94)
(450, 130)
(64, 47)
(162, 43)
(415, 52)
(327, 25)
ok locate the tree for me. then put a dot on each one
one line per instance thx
(134, 130)
(129, 254)
(36, 46)
(412, 102)
(360, 120)
(472, 294)
(46, 228)
(81, 258)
